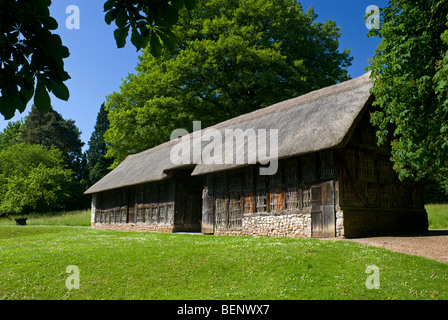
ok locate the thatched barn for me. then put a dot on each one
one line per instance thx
(332, 179)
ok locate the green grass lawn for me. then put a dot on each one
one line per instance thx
(437, 216)
(125, 265)
(69, 218)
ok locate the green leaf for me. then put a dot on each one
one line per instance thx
(171, 15)
(21, 106)
(28, 82)
(168, 41)
(122, 19)
(190, 4)
(155, 47)
(60, 91)
(13, 99)
(109, 17)
(55, 41)
(177, 4)
(120, 35)
(109, 5)
(41, 98)
(64, 52)
(51, 23)
(136, 39)
(8, 108)
(26, 95)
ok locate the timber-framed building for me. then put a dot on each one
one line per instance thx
(332, 179)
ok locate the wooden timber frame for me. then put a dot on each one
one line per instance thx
(302, 185)
(372, 200)
(172, 205)
(351, 191)
(333, 180)
(150, 204)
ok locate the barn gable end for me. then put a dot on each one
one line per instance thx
(373, 201)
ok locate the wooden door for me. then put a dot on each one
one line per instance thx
(328, 205)
(188, 203)
(131, 205)
(317, 220)
(208, 217)
(322, 212)
(193, 212)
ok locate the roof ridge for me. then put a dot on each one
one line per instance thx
(311, 122)
(301, 100)
(276, 107)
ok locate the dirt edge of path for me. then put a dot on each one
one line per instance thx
(432, 244)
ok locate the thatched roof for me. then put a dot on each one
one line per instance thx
(316, 121)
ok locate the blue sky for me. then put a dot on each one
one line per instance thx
(97, 67)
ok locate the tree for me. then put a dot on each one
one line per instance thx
(410, 69)
(150, 22)
(97, 164)
(31, 55)
(51, 129)
(231, 58)
(33, 177)
(12, 134)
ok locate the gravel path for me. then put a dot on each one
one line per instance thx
(432, 244)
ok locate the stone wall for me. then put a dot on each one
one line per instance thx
(137, 227)
(339, 223)
(274, 225)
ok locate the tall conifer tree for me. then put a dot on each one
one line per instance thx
(97, 164)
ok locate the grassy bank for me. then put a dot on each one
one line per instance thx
(126, 265)
(63, 218)
(437, 216)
